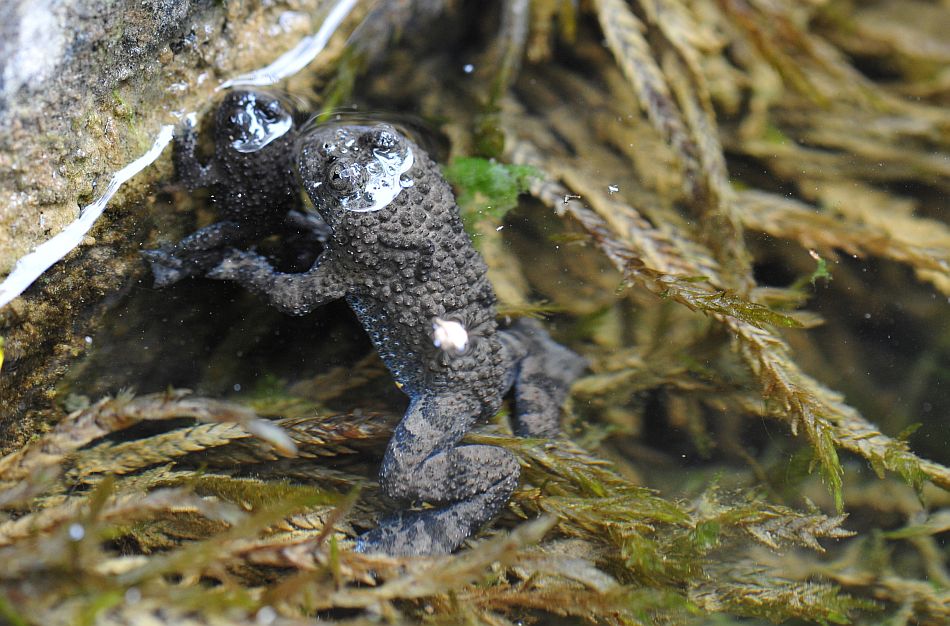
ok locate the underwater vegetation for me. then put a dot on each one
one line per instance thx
(736, 210)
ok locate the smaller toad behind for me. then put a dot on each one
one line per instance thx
(251, 177)
(400, 257)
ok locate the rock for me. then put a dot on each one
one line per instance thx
(84, 87)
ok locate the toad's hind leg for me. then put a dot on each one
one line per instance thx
(543, 371)
(425, 463)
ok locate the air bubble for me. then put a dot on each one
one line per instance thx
(384, 179)
(259, 131)
(76, 532)
(266, 615)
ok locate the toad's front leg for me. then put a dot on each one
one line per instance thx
(195, 254)
(293, 294)
(425, 463)
(199, 252)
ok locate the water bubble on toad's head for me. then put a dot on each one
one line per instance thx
(384, 178)
(253, 120)
(386, 150)
(358, 168)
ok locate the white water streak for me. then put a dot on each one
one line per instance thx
(32, 265)
(300, 56)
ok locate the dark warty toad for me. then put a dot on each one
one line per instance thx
(398, 254)
(252, 183)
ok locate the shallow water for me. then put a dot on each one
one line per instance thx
(622, 246)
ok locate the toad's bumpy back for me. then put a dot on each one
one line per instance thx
(412, 263)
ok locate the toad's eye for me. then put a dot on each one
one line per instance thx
(345, 177)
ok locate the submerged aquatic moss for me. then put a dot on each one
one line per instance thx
(597, 542)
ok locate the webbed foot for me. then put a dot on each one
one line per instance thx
(423, 462)
(167, 269)
(438, 531)
(235, 263)
(409, 535)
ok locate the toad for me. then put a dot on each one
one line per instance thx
(251, 179)
(399, 256)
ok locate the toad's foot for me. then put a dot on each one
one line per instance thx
(235, 264)
(441, 531)
(169, 267)
(422, 463)
(542, 378)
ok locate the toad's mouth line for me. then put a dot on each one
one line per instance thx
(32, 265)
